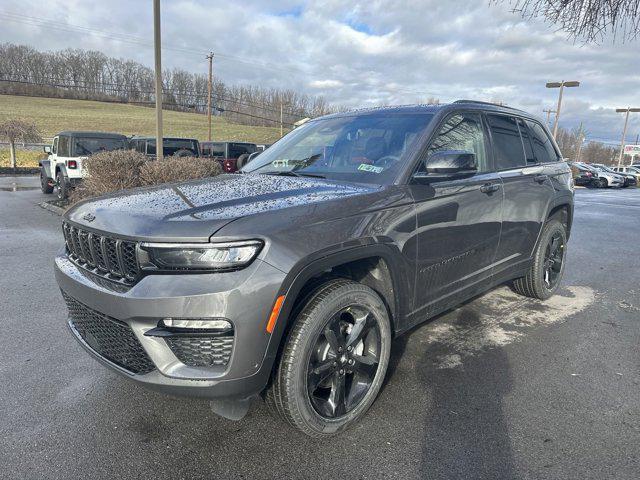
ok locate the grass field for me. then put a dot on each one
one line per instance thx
(53, 115)
(24, 158)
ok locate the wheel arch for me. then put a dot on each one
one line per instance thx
(563, 209)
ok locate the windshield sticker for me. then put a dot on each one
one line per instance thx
(370, 168)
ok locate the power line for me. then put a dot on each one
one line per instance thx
(118, 90)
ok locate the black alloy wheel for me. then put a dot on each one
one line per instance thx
(553, 258)
(344, 362)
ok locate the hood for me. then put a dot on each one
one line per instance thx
(195, 210)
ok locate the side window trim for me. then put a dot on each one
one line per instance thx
(522, 125)
(55, 146)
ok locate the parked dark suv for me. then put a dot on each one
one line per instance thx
(231, 155)
(291, 278)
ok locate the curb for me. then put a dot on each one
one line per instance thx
(52, 208)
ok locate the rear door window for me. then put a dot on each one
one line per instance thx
(64, 146)
(543, 147)
(507, 144)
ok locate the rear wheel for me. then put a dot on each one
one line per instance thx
(334, 360)
(544, 275)
(45, 183)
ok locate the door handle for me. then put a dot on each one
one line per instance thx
(540, 178)
(490, 187)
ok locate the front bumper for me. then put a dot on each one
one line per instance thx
(244, 297)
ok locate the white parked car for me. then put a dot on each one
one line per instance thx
(605, 179)
(629, 170)
(63, 167)
(628, 180)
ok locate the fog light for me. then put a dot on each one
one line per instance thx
(196, 324)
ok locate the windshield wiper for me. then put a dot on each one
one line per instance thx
(293, 173)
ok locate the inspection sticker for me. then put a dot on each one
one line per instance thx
(370, 168)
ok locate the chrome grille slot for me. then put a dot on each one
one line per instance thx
(107, 257)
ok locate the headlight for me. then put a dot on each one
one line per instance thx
(197, 256)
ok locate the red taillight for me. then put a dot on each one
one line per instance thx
(229, 165)
(72, 164)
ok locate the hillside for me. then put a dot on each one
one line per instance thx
(53, 115)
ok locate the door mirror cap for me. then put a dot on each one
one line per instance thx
(47, 149)
(448, 165)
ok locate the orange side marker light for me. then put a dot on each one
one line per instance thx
(274, 314)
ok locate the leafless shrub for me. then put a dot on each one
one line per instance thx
(175, 169)
(122, 169)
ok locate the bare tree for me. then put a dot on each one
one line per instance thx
(589, 20)
(16, 130)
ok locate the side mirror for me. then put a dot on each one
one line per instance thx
(47, 149)
(448, 165)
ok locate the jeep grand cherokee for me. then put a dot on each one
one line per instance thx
(291, 278)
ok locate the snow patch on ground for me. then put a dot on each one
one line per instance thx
(499, 318)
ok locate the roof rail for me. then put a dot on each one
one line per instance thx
(485, 103)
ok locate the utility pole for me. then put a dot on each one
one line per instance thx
(210, 58)
(158, 58)
(624, 130)
(561, 86)
(281, 132)
(548, 111)
(580, 142)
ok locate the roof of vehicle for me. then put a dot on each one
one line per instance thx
(227, 141)
(424, 108)
(81, 134)
(149, 137)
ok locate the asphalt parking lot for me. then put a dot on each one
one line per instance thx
(500, 388)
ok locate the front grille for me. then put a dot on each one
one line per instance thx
(108, 337)
(108, 257)
(201, 351)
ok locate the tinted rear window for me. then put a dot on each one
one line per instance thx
(542, 146)
(507, 144)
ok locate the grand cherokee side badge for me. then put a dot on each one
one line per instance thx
(89, 217)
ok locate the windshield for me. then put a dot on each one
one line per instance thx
(88, 146)
(366, 148)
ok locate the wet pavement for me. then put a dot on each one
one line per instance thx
(501, 388)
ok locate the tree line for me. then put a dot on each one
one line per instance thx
(92, 75)
(569, 142)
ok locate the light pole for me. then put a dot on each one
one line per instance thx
(157, 51)
(561, 86)
(624, 130)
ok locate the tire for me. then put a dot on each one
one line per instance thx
(62, 189)
(183, 153)
(242, 160)
(544, 275)
(602, 183)
(44, 182)
(309, 354)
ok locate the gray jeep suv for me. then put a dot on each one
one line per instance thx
(290, 278)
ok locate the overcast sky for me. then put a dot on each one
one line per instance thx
(356, 54)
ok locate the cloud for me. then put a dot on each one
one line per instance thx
(359, 53)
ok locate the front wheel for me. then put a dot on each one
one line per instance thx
(334, 360)
(602, 183)
(62, 188)
(544, 275)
